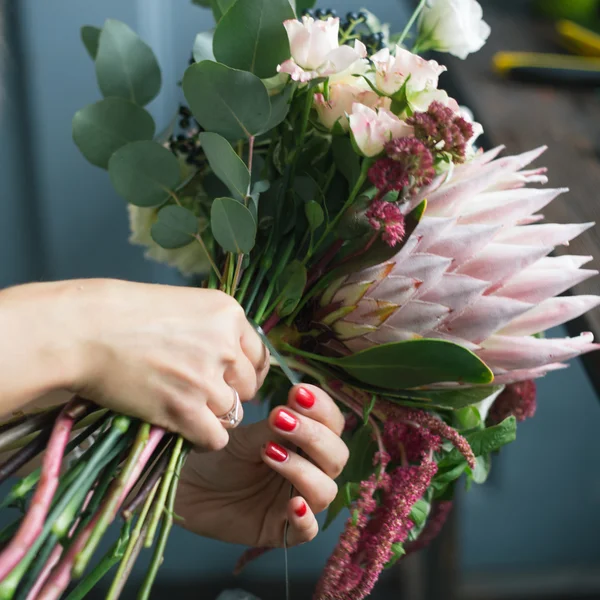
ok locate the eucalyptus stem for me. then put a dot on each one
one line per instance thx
(265, 266)
(167, 523)
(248, 273)
(199, 239)
(133, 547)
(115, 497)
(281, 264)
(163, 492)
(238, 272)
(411, 22)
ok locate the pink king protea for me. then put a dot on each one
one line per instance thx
(475, 271)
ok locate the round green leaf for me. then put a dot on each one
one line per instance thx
(314, 215)
(102, 128)
(90, 37)
(175, 227)
(413, 363)
(226, 164)
(234, 104)
(232, 225)
(125, 65)
(144, 173)
(251, 36)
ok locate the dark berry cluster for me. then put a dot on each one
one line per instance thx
(186, 143)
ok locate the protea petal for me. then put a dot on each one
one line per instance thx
(550, 313)
(475, 272)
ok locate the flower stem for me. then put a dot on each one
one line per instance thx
(26, 426)
(162, 494)
(133, 547)
(167, 523)
(411, 22)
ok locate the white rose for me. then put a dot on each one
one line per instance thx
(454, 26)
(190, 259)
(316, 51)
(372, 129)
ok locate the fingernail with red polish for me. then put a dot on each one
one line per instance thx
(276, 452)
(285, 421)
(301, 510)
(305, 398)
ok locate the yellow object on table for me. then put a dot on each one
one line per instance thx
(577, 39)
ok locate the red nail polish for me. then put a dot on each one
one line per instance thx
(285, 421)
(276, 452)
(305, 398)
(301, 510)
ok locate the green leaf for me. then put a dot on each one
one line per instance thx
(362, 448)
(482, 469)
(175, 227)
(144, 173)
(455, 399)
(304, 5)
(232, 103)
(225, 5)
(90, 36)
(413, 363)
(345, 158)
(251, 36)
(226, 164)
(125, 65)
(280, 107)
(398, 552)
(232, 225)
(102, 128)
(420, 512)
(202, 49)
(291, 284)
(314, 215)
(493, 438)
(468, 418)
(347, 494)
(368, 409)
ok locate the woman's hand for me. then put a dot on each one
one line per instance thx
(242, 493)
(168, 355)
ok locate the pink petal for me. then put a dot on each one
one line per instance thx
(296, 72)
(395, 288)
(524, 374)
(549, 234)
(425, 268)
(456, 292)
(526, 352)
(418, 316)
(485, 317)
(499, 262)
(550, 313)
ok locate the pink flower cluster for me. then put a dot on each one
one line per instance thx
(517, 399)
(387, 216)
(442, 130)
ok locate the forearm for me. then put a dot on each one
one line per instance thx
(38, 343)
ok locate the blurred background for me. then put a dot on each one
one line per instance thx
(532, 530)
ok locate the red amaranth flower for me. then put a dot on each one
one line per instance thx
(435, 523)
(518, 399)
(409, 164)
(406, 442)
(441, 129)
(387, 216)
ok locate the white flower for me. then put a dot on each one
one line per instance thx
(454, 26)
(342, 96)
(372, 129)
(392, 70)
(316, 51)
(190, 259)
(420, 102)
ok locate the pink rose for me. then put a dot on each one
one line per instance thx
(372, 129)
(316, 51)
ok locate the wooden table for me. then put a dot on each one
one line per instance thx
(523, 116)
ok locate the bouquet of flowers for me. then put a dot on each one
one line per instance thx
(319, 175)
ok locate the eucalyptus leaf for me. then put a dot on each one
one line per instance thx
(90, 37)
(304, 5)
(144, 173)
(412, 363)
(224, 5)
(232, 103)
(125, 65)
(291, 284)
(280, 107)
(203, 46)
(102, 128)
(232, 225)
(314, 215)
(175, 227)
(226, 164)
(250, 36)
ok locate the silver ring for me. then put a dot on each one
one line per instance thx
(234, 416)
